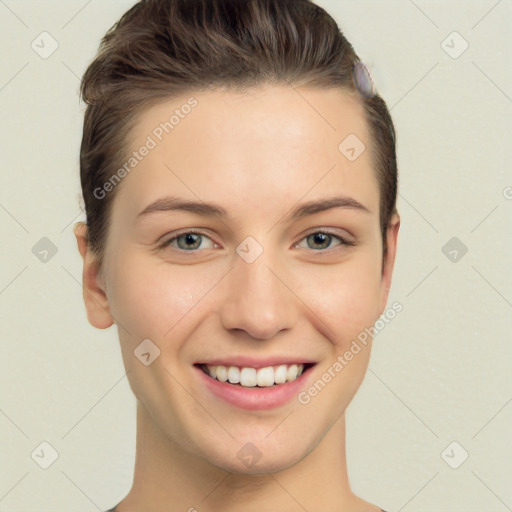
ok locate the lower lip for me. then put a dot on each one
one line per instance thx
(254, 398)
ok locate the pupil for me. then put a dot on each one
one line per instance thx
(190, 240)
(320, 238)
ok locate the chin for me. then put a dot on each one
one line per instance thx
(261, 467)
(248, 458)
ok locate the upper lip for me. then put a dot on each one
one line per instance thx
(252, 362)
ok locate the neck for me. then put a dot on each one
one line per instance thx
(169, 478)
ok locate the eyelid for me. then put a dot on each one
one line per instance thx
(164, 242)
(326, 231)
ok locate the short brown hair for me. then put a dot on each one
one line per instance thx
(162, 48)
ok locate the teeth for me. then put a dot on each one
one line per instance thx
(222, 373)
(292, 372)
(265, 376)
(280, 374)
(233, 375)
(248, 377)
(252, 377)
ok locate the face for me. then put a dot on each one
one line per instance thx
(248, 278)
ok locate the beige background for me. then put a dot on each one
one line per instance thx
(440, 371)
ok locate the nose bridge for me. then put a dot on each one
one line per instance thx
(256, 300)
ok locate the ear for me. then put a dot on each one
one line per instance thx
(389, 262)
(95, 298)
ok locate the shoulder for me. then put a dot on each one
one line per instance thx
(114, 510)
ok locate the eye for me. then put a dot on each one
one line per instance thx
(321, 240)
(188, 241)
(192, 241)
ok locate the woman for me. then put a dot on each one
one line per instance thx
(239, 176)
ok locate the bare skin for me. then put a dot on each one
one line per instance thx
(258, 154)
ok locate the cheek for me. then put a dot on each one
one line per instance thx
(153, 300)
(346, 296)
(150, 298)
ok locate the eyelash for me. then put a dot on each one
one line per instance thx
(343, 241)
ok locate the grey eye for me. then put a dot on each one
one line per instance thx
(190, 241)
(321, 240)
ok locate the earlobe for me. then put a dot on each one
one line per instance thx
(389, 263)
(95, 298)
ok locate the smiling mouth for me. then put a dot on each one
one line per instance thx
(247, 377)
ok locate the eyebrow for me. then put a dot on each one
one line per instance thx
(312, 207)
(166, 204)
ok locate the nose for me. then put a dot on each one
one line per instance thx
(258, 299)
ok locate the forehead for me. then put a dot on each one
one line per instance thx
(255, 147)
